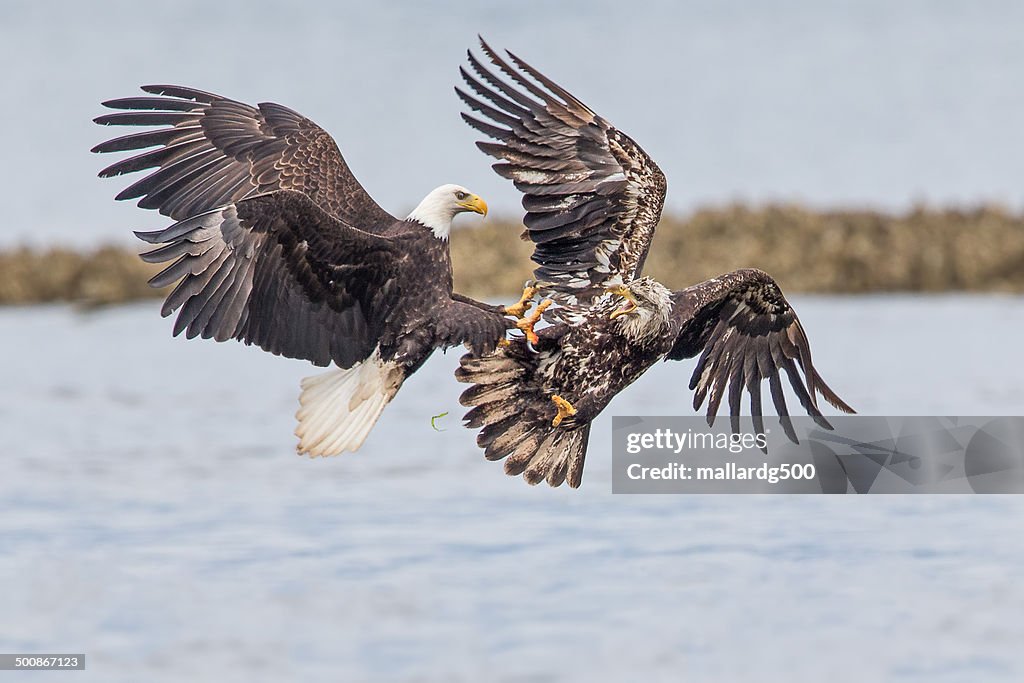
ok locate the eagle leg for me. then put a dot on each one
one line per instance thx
(520, 308)
(565, 409)
(526, 324)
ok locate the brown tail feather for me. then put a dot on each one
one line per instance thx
(560, 457)
(514, 415)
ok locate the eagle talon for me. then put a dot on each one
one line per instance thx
(526, 324)
(520, 308)
(565, 409)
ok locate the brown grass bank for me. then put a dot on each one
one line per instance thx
(924, 250)
(857, 251)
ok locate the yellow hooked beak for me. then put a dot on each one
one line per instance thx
(628, 307)
(474, 204)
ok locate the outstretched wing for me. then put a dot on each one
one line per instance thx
(748, 333)
(278, 271)
(211, 151)
(592, 196)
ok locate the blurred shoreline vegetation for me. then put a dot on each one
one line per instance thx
(977, 249)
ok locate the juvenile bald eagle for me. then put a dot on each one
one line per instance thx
(593, 199)
(278, 245)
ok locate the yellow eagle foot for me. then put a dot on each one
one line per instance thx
(526, 324)
(565, 409)
(520, 308)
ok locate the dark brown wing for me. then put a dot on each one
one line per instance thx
(748, 333)
(480, 326)
(211, 151)
(278, 271)
(592, 196)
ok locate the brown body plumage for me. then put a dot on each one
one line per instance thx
(593, 200)
(278, 245)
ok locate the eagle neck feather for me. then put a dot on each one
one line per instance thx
(439, 229)
(644, 326)
(434, 214)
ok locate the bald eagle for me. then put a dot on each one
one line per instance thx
(277, 244)
(593, 199)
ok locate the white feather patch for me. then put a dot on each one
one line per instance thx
(339, 408)
(437, 210)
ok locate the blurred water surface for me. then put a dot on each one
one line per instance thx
(831, 103)
(154, 515)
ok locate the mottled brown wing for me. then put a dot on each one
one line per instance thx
(277, 271)
(746, 332)
(592, 196)
(210, 151)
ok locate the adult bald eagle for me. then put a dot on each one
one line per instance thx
(593, 199)
(278, 245)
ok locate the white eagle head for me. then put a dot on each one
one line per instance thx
(438, 208)
(645, 314)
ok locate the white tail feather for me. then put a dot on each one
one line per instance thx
(339, 408)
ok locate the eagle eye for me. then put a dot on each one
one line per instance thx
(460, 195)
